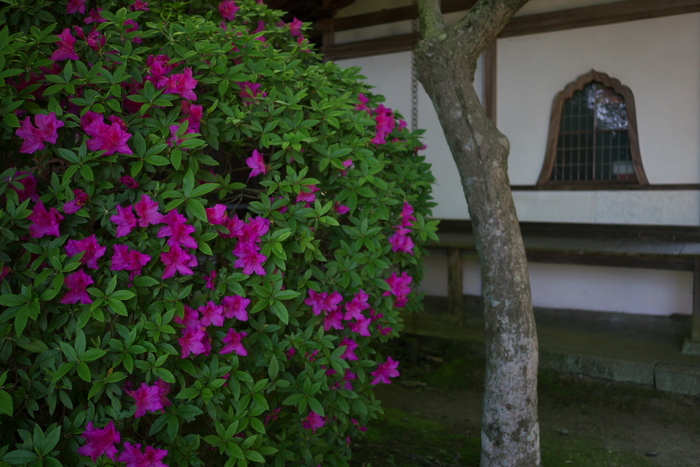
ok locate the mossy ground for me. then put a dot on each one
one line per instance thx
(438, 369)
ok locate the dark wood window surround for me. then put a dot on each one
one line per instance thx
(550, 176)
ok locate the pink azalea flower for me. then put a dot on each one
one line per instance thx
(341, 209)
(349, 353)
(256, 163)
(129, 181)
(250, 91)
(211, 314)
(76, 6)
(177, 260)
(194, 340)
(100, 441)
(190, 319)
(133, 456)
(347, 377)
(109, 138)
(178, 231)
(313, 422)
(66, 47)
(27, 180)
(235, 307)
(148, 399)
(355, 306)
(94, 16)
(234, 226)
(76, 204)
(295, 28)
(363, 102)
(385, 371)
(147, 210)
(254, 230)
(401, 243)
(89, 245)
(249, 258)
(217, 215)
(77, 284)
(210, 280)
(182, 84)
(44, 222)
(406, 216)
(125, 220)
(46, 131)
(379, 138)
(399, 285)
(139, 5)
(194, 114)
(233, 343)
(333, 320)
(361, 326)
(126, 259)
(90, 123)
(228, 9)
(307, 196)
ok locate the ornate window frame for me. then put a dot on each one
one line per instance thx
(544, 180)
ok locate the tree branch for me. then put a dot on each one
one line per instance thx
(482, 23)
(430, 15)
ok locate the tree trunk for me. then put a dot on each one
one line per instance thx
(446, 62)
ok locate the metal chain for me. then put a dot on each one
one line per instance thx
(414, 76)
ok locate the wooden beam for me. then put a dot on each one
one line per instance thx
(629, 10)
(454, 282)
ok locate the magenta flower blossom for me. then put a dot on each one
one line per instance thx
(139, 5)
(228, 9)
(77, 284)
(126, 259)
(249, 258)
(195, 340)
(217, 215)
(235, 307)
(190, 319)
(406, 216)
(133, 456)
(95, 40)
(361, 326)
(233, 343)
(250, 91)
(333, 320)
(399, 285)
(349, 353)
(182, 84)
(125, 220)
(76, 204)
(109, 138)
(385, 371)
(46, 131)
(177, 260)
(211, 280)
(147, 210)
(256, 163)
(211, 314)
(194, 114)
(401, 243)
(355, 306)
(66, 47)
(313, 422)
(158, 66)
(307, 196)
(341, 209)
(100, 441)
(94, 16)
(322, 301)
(150, 398)
(178, 231)
(295, 28)
(234, 226)
(89, 245)
(75, 6)
(129, 181)
(44, 222)
(27, 180)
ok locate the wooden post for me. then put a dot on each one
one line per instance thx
(455, 300)
(692, 344)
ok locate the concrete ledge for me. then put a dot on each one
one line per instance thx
(596, 367)
(680, 378)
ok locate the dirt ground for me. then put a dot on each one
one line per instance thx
(583, 421)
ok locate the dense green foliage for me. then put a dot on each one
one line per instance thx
(217, 281)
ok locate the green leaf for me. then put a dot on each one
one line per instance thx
(122, 295)
(117, 306)
(196, 208)
(33, 345)
(188, 183)
(281, 311)
(20, 457)
(12, 300)
(273, 368)
(92, 354)
(6, 403)
(84, 372)
(255, 456)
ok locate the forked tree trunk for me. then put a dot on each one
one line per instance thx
(446, 62)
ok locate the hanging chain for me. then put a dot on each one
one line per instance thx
(414, 76)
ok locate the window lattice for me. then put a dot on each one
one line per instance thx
(593, 142)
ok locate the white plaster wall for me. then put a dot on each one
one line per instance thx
(626, 290)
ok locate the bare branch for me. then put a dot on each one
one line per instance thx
(430, 15)
(482, 23)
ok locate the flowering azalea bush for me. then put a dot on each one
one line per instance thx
(206, 235)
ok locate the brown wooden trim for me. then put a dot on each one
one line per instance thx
(602, 186)
(597, 15)
(629, 10)
(454, 282)
(555, 120)
(490, 81)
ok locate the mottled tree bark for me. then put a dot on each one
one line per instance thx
(446, 62)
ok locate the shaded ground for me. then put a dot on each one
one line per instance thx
(433, 412)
